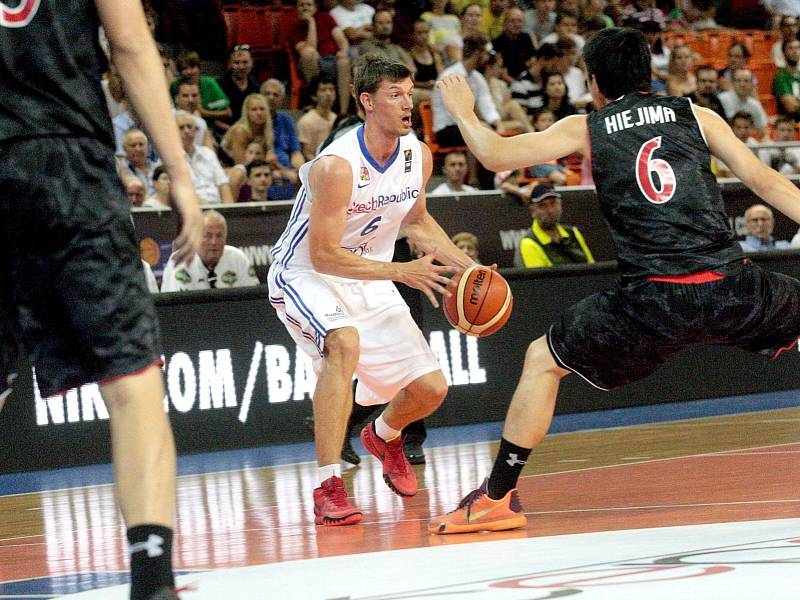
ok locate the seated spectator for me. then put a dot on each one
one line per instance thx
(681, 81)
(659, 51)
(136, 164)
(527, 89)
(566, 26)
(134, 188)
(238, 81)
(789, 28)
(574, 76)
(784, 160)
(471, 16)
(513, 116)
(455, 171)
(740, 99)
(738, 58)
(322, 46)
(742, 127)
(493, 17)
(354, 18)
(515, 44)
(476, 55)
(259, 178)
(556, 95)
(210, 181)
(786, 83)
(549, 242)
(237, 174)
(314, 126)
(214, 104)
(468, 243)
(541, 19)
(160, 196)
(380, 42)
(552, 170)
(595, 9)
(760, 222)
(217, 265)
(706, 94)
(643, 10)
(112, 90)
(285, 144)
(427, 62)
(443, 24)
(255, 125)
(187, 98)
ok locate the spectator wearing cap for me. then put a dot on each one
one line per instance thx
(550, 242)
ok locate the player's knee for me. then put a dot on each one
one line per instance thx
(430, 391)
(342, 345)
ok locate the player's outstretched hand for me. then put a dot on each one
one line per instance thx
(187, 206)
(457, 96)
(427, 277)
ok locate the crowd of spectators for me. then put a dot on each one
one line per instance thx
(521, 58)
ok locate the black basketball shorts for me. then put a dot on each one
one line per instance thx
(623, 334)
(72, 290)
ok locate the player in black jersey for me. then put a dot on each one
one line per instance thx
(72, 290)
(683, 279)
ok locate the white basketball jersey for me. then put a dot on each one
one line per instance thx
(381, 197)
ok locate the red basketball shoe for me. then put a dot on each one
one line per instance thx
(331, 506)
(397, 471)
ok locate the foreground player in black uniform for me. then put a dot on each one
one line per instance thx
(72, 291)
(683, 279)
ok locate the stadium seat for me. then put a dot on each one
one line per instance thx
(426, 115)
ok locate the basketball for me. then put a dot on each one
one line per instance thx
(481, 303)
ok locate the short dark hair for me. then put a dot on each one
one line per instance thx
(619, 60)
(784, 119)
(254, 164)
(188, 58)
(372, 69)
(158, 172)
(473, 44)
(743, 115)
(565, 14)
(186, 81)
(549, 51)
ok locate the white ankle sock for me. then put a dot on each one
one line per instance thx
(328, 471)
(385, 432)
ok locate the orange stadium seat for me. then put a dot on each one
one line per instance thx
(426, 115)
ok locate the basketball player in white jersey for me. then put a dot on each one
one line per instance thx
(331, 283)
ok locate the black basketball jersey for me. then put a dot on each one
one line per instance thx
(50, 68)
(651, 167)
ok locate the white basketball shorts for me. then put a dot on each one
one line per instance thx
(393, 351)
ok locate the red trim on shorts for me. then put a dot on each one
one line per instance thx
(784, 349)
(158, 362)
(699, 277)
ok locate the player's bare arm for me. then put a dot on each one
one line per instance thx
(424, 231)
(330, 183)
(138, 63)
(499, 153)
(767, 183)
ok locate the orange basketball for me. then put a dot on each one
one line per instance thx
(481, 302)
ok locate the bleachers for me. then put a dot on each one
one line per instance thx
(266, 29)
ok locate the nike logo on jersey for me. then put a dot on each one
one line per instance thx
(513, 459)
(152, 545)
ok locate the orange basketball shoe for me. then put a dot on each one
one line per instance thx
(478, 512)
(331, 506)
(397, 471)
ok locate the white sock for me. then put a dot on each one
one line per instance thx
(386, 433)
(328, 471)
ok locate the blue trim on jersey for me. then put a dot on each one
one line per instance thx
(301, 198)
(298, 237)
(304, 310)
(378, 167)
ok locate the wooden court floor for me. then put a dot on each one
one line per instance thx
(713, 470)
